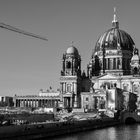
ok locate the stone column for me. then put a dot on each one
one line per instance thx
(65, 87)
(23, 102)
(75, 95)
(37, 103)
(73, 87)
(106, 63)
(20, 103)
(64, 101)
(98, 103)
(75, 100)
(28, 103)
(70, 101)
(111, 63)
(120, 63)
(116, 63)
(33, 103)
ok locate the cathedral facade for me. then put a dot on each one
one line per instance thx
(111, 81)
(114, 64)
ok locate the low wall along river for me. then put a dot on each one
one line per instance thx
(42, 130)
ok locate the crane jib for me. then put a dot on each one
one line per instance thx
(11, 28)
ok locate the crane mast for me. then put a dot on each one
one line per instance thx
(11, 28)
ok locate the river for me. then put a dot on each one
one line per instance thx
(123, 132)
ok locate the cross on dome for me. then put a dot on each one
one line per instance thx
(115, 17)
(115, 22)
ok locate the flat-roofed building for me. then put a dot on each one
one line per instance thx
(47, 98)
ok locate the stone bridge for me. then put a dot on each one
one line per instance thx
(130, 117)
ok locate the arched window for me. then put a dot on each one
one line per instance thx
(135, 71)
(68, 64)
(69, 88)
(86, 98)
(125, 87)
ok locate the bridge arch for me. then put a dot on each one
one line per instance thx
(129, 117)
(130, 120)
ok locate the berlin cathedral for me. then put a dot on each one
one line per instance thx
(114, 68)
(111, 81)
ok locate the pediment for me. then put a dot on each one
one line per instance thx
(67, 94)
(99, 92)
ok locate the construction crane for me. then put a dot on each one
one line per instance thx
(11, 28)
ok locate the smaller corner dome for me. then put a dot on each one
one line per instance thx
(135, 58)
(72, 50)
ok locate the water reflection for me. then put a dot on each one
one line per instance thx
(124, 132)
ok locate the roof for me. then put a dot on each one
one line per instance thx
(72, 50)
(115, 38)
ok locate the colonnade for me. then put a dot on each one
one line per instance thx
(117, 63)
(37, 103)
(113, 63)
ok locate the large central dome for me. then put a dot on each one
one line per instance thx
(114, 38)
(113, 52)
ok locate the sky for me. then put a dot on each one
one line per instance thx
(28, 64)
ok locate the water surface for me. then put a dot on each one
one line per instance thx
(123, 132)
